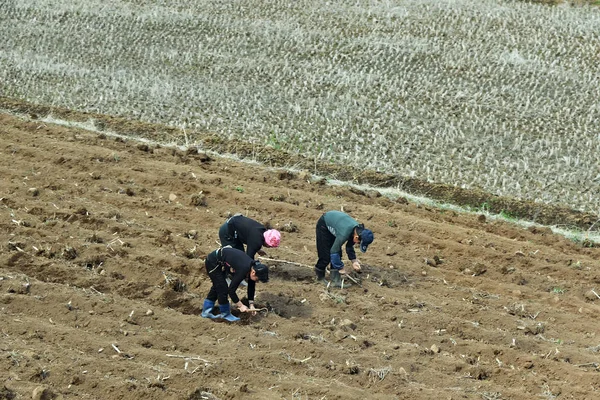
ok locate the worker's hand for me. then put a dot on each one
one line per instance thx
(242, 307)
(356, 265)
(252, 308)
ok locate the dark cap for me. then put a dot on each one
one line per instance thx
(366, 238)
(262, 271)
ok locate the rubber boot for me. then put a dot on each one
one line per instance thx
(320, 276)
(207, 308)
(226, 313)
(336, 279)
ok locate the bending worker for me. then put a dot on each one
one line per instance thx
(333, 229)
(239, 230)
(241, 267)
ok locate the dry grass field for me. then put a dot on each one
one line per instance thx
(102, 282)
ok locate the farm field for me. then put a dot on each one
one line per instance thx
(499, 96)
(101, 283)
(122, 128)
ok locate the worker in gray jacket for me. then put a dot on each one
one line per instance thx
(335, 228)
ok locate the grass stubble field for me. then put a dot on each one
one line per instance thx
(498, 96)
(102, 237)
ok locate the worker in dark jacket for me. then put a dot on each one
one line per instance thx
(241, 267)
(239, 230)
(335, 228)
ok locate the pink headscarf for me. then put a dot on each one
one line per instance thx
(272, 238)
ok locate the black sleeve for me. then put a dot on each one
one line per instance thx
(255, 242)
(236, 280)
(251, 289)
(239, 264)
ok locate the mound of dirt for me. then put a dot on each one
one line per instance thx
(102, 282)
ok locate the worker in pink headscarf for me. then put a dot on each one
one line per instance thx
(239, 230)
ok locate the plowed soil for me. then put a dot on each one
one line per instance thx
(102, 279)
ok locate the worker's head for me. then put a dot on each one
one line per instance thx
(259, 272)
(272, 238)
(363, 236)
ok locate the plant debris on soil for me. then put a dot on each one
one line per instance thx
(102, 281)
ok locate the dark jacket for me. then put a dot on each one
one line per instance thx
(238, 265)
(249, 232)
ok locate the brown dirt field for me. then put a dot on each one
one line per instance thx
(102, 281)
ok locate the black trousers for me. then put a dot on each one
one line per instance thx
(228, 237)
(324, 242)
(217, 274)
